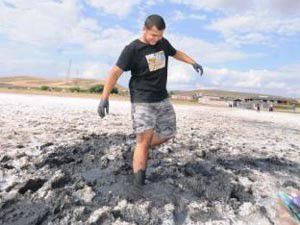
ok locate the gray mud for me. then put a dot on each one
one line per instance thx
(61, 164)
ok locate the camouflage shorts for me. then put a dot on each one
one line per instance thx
(160, 116)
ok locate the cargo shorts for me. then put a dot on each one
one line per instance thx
(160, 116)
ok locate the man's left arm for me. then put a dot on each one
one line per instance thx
(181, 56)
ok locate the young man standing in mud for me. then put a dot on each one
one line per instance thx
(153, 116)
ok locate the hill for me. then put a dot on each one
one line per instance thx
(33, 81)
(226, 94)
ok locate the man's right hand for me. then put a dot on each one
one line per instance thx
(103, 106)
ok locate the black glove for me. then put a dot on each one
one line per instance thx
(103, 105)
(198, 67)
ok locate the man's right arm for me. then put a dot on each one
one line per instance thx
(123, 64)
(111, 80)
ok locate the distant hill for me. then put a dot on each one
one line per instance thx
(226, 94)
(33, 81)
(84, 83)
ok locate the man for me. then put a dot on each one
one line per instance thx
(152, 114)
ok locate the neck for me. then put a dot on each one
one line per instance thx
(142, 39)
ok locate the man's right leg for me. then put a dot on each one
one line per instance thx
(140, 156)
(143, 118)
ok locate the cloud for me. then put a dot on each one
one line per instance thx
(250, 22)
(180, 73)
(211, 5)
(207, 52)
(179, 15)
(110, 41)
(120, 8)
(17, 59)
(257, 22)
(281, 81)
(39, 23)
(60, 25)
(94, 70)
(284, 81)
(275, 85)
(53, 25)
(41, 36)
(275, 7)
(255, 27)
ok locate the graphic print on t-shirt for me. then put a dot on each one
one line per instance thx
(156, 60)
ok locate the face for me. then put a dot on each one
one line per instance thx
(153, 35)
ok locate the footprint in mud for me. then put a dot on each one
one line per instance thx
(31, 184)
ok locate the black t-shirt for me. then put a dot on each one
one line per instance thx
(149, 68)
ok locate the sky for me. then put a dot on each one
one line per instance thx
(249, 46)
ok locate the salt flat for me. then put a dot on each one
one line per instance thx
(60, 162)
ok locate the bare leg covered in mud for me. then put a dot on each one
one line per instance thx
(144, 141)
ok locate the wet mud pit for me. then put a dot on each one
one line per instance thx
(204, 176)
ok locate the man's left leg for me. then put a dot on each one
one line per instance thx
(165, 128)
(157, 140)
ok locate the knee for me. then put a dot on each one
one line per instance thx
(162, 141)
(172, 137)
(169, 139)
(143, 142)
(144, 145)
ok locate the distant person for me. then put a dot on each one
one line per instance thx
(258, 107)
(153, 116)
(294, 107)
(271, 108)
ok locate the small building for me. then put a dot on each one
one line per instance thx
(212, 100)
(197, 95)
(236, 102)
(234, 99)
(182, 97)
(264, 102)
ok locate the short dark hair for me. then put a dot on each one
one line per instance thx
(155, 20)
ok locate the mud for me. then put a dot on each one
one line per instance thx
(61, 164)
